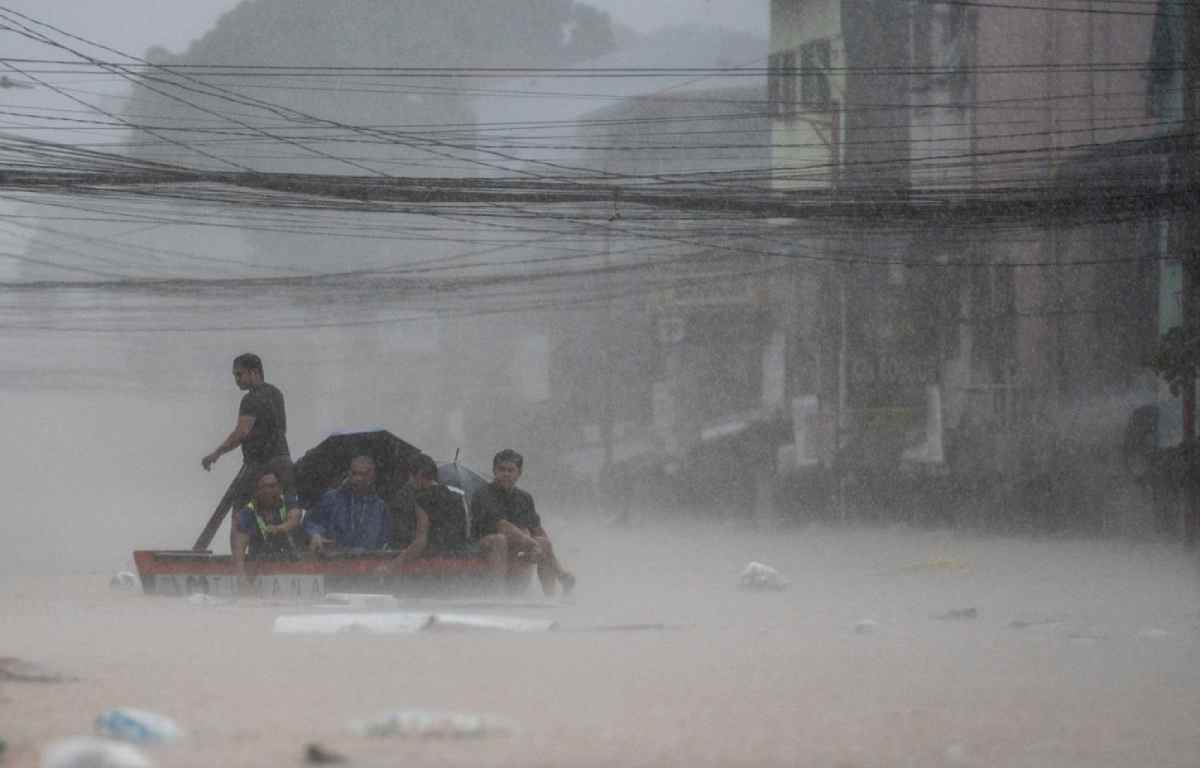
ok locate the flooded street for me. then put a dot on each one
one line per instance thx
(1082, 653)
(895, 302)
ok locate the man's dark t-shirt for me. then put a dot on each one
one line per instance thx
(490, 505)
(404, 520)
(268, 436)
(447, 519)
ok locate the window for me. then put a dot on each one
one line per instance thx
(814, 94)
(781, 83)
(941, 38)
(815, 61)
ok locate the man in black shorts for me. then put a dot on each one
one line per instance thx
(439, 522)
(501, 508)
(261, 431)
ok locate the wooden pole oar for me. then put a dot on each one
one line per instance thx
(218, 515)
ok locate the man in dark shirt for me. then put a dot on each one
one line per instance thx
(266, 526)
(437, 517)
(261, 431)
(502, 508)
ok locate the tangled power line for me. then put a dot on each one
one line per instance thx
(519, 215)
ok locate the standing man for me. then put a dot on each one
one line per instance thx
(261, 431)
(501, 508)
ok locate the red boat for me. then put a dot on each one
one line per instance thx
(198, 570)
(187, 572)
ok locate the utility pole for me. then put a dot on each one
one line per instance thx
(1189, 243)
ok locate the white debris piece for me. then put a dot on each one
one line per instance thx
(86, 752)
(485, 621)
(399, 623)
(427, 724)
(957, 754)
(403, 623)
(137, 726)
(759, 576)
(125, 581)
(865, 626)
(362, 600)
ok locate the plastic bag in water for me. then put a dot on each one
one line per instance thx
(85, 752)
(427, 724)
(137, 726)
(759, 576)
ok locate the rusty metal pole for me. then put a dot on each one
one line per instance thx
(1189, 147)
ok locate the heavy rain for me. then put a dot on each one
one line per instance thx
(848, 347)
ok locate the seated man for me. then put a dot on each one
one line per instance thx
(352, 517)
(267, 525)
(502, 508)
(440, 522)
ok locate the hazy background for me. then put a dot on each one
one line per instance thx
(1073, 646)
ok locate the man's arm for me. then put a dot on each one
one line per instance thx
(483, 522)
(383, 523)
(239, 542)
(315, 524)
(420, 538)
(245, 423)
(292, 523)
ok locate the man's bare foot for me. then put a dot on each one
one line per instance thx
(567, 580)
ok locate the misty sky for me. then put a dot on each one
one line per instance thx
(135, 25)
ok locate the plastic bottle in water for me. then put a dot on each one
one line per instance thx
(429, 724)
(137, 726)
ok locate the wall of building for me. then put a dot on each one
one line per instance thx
(805, 139)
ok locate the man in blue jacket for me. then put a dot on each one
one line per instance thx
(353, 516)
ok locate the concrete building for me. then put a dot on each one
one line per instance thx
(1021, 355)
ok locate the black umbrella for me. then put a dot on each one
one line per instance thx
(326, 465)
(458, 476)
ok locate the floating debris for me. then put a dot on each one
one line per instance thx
(399, 623)
(1024, 622)
(465, 621)
(1086, 637)
(14, 670)
(137, 726)
(757, 576)
(427, 724)
(958, 614)
(865, 626)
(86, 752)
(345, 600)
(315, 754)
(403, 623)
(125, 581)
